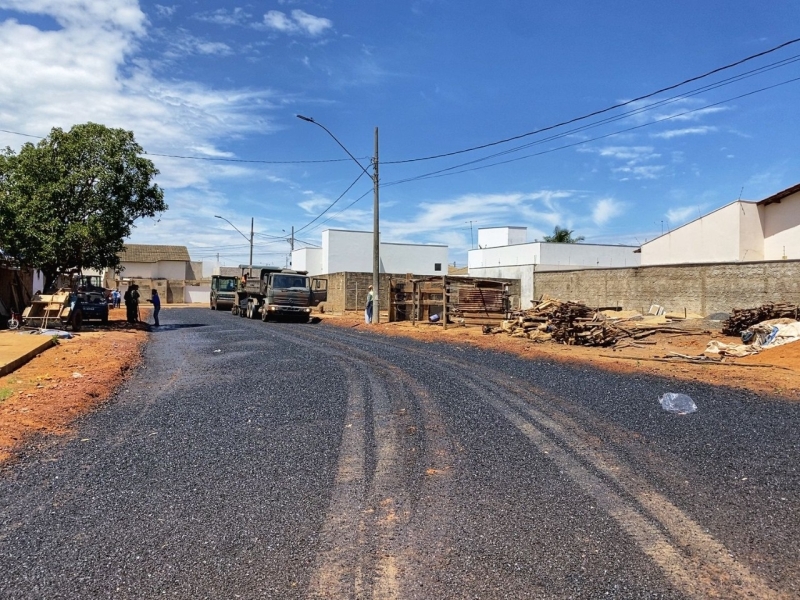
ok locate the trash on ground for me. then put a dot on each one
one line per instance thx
(767, 334)
(76, 375)
(59, 333)
(215, 351)
(742, 318)
(677, 403)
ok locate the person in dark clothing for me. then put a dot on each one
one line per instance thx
(135, 303)
(128, 304)
(156, 300)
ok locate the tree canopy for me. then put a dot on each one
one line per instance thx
(69, 201)
(563, 236)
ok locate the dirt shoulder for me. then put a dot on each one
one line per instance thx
(46, 395)
(774, 372)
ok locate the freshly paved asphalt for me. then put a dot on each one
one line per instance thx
(277, 460)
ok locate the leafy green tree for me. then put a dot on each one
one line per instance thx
(69, 201)
(563, 236)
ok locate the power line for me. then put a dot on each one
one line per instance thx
(451, 170)
(603, 110)
(331, 205)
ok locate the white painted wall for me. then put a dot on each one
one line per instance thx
(197, 293)
(782, 228)
(171, 269)
(352, 251)
(492, 237)
(715, 237)
(308, 259)
(552, 257)
(137, 270)
(419, 259)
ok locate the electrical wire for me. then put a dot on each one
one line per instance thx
(451, 170)
(603, 110)
(331, 205)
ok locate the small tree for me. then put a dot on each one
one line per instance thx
(563, 236)
(69, 201)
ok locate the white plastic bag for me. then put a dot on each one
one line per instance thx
(677, 403)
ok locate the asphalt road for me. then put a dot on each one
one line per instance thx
(277, 460)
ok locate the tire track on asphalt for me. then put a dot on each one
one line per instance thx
(692, 559)
(394, 458)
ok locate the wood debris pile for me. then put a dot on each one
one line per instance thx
(742, 318)
(573, 323)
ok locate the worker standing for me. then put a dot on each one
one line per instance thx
(156, 300)
(368, 307)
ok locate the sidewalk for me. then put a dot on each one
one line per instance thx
(18, 348)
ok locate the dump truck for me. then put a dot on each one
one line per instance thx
(223, 292)
(275, 293)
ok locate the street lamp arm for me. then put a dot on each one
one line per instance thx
(234, 226)
(310, 120)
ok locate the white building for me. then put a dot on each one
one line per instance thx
(351, 251)
(740, 231)
(503, 253)
(144, 261)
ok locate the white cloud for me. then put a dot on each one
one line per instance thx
(166, 11)
(633, 154)
(122, 15)
(222, 16)
(683, 214)
(299, 22)
(641, 171)
(605, 210)
(667, 135)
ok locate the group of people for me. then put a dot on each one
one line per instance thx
(131, 298)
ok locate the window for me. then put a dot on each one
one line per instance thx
(437, 266)
(289, 281)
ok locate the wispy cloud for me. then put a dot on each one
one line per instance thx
(683, 214)
(298, 21)
(223, 16)
(672, 133)
(632, 154)
(640, 172)
(605, 210)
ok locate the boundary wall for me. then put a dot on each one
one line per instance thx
(704, 289)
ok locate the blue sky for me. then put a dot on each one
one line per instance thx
(216, 80)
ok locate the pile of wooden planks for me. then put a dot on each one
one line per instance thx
(742, 318)
(570, 323)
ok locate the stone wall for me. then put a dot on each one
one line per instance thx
(699, 288)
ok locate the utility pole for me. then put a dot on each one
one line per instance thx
(376, 243)
(471, 239)
(376, 240)
(250, 268)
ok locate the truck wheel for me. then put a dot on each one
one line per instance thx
(234, 310)
(265, 315)
(212, 305)
(253, 311)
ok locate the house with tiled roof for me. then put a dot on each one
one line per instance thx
(169, 269)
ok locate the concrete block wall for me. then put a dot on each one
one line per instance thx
(348, 291)
(698, 288)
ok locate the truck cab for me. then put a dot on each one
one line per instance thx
(279, 293)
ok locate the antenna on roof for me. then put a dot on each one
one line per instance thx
(740, 192)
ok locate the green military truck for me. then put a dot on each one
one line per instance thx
(223, 291)
(275, 293)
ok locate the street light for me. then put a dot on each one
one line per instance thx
(376, 245)
(250, 266)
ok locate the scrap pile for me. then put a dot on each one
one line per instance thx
(742, 318)
(569, 323)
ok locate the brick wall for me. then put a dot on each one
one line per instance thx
(699, 288)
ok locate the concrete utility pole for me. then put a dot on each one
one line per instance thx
(376, 244)
(376, 240)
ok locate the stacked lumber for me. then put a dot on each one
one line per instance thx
(569, 323)
(742, 318)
